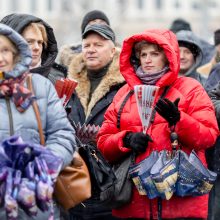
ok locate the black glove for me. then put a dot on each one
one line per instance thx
(137, 141)
(168, 110)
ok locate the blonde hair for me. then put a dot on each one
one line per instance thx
(13, 48)
(38, 26)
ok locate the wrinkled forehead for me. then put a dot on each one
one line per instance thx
(98, 21)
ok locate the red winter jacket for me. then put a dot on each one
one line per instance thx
(197, 128)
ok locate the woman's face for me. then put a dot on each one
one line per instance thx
(35, 40)
(6, 54)
(152, 60)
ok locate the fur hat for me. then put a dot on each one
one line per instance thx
(92, 15)
(180, 24)
(217, 37)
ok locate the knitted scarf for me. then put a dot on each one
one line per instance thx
(14, 87)
(150, 78)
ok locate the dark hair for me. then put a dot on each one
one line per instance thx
(194, 49)
(139, 46)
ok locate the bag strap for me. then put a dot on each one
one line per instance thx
(36, 110)
(131, 92)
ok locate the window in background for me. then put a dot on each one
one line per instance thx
(213, 4)
(196, 5)
(33, 6)
(66, 6)
(177, 4)
(14, 5)
(49, 5)
(158, 4)
(140, 4)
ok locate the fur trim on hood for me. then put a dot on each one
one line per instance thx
(77, 71)
(67, 53)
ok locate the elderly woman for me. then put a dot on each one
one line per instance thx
(16, 112)
(152, 58)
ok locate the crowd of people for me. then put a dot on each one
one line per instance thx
(184, 67)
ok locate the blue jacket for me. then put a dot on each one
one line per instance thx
(59, 135)
(213, 79)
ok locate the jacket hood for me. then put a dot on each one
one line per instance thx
(165, 39)
(24, 52)
(189, 37)
(67, 53)
(77, 71)
(18, 22)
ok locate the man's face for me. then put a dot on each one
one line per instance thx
(186, 59)
(35, 41)
(97, 51)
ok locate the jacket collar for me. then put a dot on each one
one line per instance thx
(77, 71)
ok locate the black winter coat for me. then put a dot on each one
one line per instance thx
(92, 112)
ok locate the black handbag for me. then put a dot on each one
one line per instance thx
(120, 192)
(101, 173)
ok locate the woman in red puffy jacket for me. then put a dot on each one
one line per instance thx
(152, 58)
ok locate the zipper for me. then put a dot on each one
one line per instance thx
(7, 100)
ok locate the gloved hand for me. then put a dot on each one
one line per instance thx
(137, 141)
(168, 110)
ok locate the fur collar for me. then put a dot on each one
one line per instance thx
(77, 71)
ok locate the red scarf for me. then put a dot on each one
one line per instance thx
(14, 87)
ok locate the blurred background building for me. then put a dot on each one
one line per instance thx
(126, 16)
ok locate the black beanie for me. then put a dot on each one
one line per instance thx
(180, 24)
(192, 47)
(217, 37)
(92, 15)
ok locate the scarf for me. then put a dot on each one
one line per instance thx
(14, 87)
(95, 77)
(150, 78)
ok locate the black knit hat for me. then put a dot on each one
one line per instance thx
(217, 37)
(101, 29)
(180, 24)
(92, 15)
(192, 47)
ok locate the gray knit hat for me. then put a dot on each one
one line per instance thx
(92, 15)
(180, 24)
